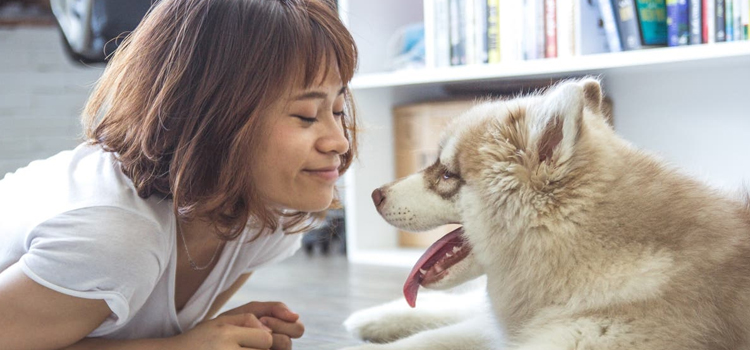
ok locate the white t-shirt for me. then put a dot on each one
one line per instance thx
(75, 224)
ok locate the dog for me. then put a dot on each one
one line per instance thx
(584, 241)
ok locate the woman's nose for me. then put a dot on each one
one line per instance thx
(335, 140)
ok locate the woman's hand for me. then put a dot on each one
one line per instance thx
(284, 323)
(236, 331)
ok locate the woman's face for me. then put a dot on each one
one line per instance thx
(299, 153)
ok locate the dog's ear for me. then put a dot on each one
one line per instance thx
(560, 117)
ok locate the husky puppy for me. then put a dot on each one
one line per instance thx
(586, 242)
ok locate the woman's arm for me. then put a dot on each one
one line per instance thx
(36, 317)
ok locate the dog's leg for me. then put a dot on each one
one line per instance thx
(478, 333)
(395, 320)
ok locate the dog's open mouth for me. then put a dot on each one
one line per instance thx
(435, 262)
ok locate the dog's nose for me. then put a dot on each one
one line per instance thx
(377, 197)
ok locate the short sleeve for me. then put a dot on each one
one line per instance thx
(103, 253)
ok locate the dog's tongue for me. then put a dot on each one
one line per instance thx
(433, 254)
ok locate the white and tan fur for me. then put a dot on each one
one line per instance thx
(586, 242)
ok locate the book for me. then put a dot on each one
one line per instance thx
(709, 18)
(720, 21)
(590, 37)
(737, 28)
(550, 28)
(627, 24)
(480, 31)
(533, 31)
(511, 24)
(493, 31)
(565, 23)
(606, 10)
(442, 33)
(457, 34)
(677, 22)
(652, 17)
(729, 20)
(695, 24)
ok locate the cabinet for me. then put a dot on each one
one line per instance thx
(690, 105)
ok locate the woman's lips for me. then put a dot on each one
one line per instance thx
(330, 174)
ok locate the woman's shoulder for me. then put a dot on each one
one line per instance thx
(80, 180)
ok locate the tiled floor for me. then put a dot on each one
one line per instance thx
(324, 290)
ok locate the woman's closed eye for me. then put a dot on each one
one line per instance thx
(308, 120)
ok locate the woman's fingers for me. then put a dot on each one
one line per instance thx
(292, 329)
(281, 342)
(253, 337)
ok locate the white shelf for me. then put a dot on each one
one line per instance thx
(594, 64)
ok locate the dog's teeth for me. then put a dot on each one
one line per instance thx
(422, 271)
(448, 255)
(456, 250)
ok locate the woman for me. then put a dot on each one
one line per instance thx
(216, 133)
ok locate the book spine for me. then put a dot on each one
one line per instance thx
(564, 25)
(652, 18)
(720, 21)
(469, 28)
(677, 13)
(480, 31)
(627, 24)
(493, 31)
(729, 20)
(529, 30)
(442, 33)
(737, 20)
(695, 11)
(610, 25)
(746, 20)
(709, 21)
(511, 24)
(550, 29)
(457, 37)
(540, 36)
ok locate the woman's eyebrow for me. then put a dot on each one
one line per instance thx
(316, 94)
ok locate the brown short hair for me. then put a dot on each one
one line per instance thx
(181, 101)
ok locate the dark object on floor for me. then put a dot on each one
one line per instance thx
(88, 27)
(330, 237)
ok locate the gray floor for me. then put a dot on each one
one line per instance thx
(324, 290)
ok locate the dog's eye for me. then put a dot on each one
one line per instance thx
(447, 175)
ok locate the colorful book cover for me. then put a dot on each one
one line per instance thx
(720, 20)
(677, 22)
(627, 24)
(729, 20)
(610, 25)
(493, 31)
(695, 11)
(652, 16)
(550, 28)
(709, 18)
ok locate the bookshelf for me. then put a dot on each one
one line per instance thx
(687, 104)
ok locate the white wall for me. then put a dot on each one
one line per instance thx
(42, 94)
(697, 119)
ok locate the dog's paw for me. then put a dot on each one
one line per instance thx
(383, 324)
